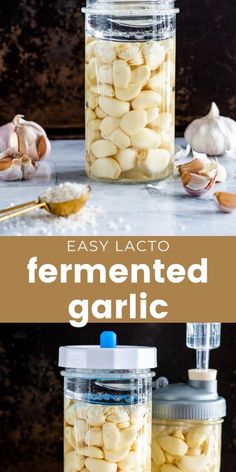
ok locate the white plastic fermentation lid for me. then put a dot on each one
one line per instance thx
(108, 356)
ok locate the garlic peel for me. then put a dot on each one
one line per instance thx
(212, 134)
(225, 201)
(196, 185)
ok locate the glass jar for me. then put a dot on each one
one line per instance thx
(190, 446)
(130, 90)
(107, 408)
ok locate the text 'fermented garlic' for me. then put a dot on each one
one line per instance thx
(107, 410)
(187, 418)
(129, 88)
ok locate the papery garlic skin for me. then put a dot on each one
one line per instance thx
(213, 134)
(135, 116)
(107, 438)
(22, 144)
(187, 446)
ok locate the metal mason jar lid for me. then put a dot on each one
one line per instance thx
(186, 402)
(131, 8)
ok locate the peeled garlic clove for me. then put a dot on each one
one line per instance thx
(163, 121)
(90, 50)
(117, 454)
(169, 468)
(108, 125)
(213, 134)
(81, 429)
(90, 115)
(105, 74)
(129, 93)
(226, 201)
(121, 74)
(106, 51)
(120, 139)
(197, 436)
(132, 459)
(133, 122)
(70, 436)
(152, 114)
(95, 415)
(146, 139)
(195, 184)
(126, 158)
(155, 161)
(111, 436)
(128, 436)
(194, 166)
(154, 54)
(98, 465)
(91, 100)
(113, 107)
(194, 464)
(119, 416)
(158, 455)
(94, 124)
(94, 437)
(70, 415)
(100, 113)
(90, 451)
(103, 148)
(131, 53)
(73, 462)
(106, 168)
(172, 445)
(140, 74)
(103, 89)
(147, 99)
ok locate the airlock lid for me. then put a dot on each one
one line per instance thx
(187, 402)
(108, 355)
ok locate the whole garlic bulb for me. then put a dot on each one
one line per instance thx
(22, 144)
(213, 134)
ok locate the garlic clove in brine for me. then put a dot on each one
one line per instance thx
(213, 134)
(225, 201)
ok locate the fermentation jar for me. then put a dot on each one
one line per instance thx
(187, 418)
(130, 89)
(107, 406)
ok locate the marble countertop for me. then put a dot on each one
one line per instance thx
(130, 210)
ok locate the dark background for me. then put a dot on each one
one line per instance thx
(32, 392)
(42, 55)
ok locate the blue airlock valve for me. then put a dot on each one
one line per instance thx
(108, 340)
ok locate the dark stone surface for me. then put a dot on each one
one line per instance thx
(42, 56)
(31, 387)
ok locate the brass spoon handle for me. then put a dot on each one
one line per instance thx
(20, 209)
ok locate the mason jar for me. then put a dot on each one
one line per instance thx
(191, 446)
(130, 89)
(107, 407)
(187, 425)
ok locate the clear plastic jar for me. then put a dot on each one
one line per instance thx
(107, 420)
(189, 446)
(129, 87)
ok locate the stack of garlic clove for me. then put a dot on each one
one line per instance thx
(22, 144)
(129, 109)
(186, 447)
(106, 439)
(198, 176)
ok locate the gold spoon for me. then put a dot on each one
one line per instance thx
(59, 208)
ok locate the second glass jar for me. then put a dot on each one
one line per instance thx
(129, 87)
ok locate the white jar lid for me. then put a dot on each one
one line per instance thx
(108, 356)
